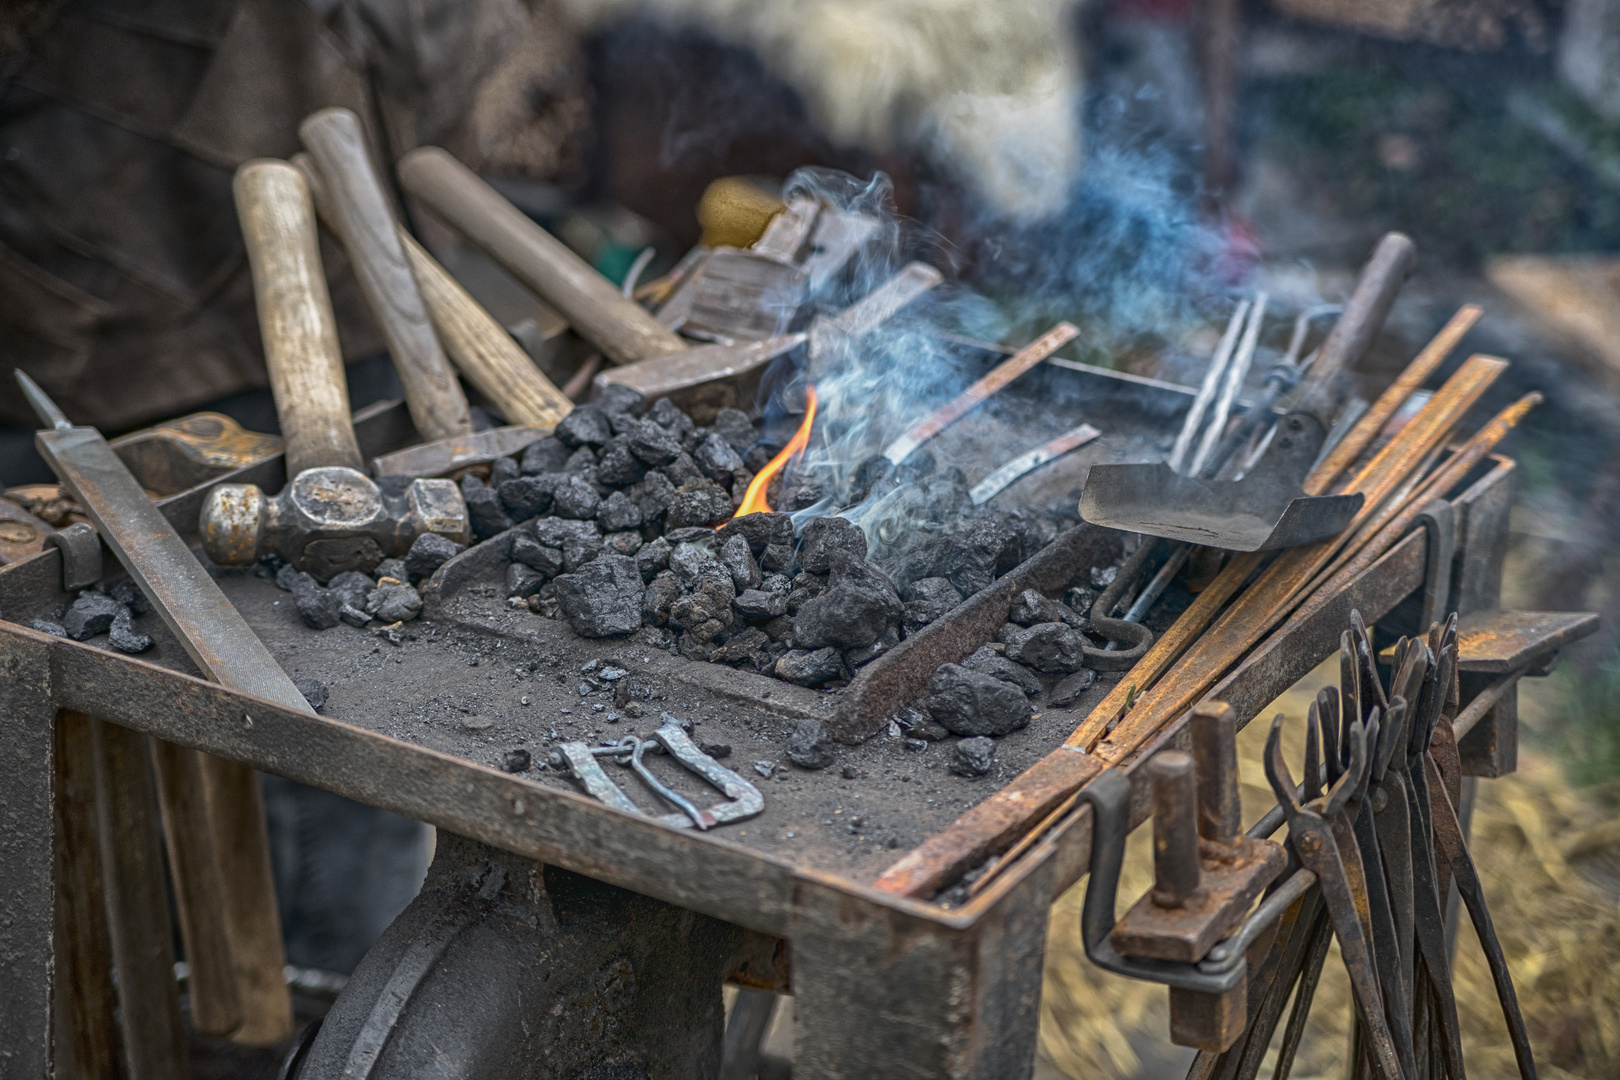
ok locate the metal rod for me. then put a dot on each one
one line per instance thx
(1206, 391)
(1176, 867)
(1236, 372)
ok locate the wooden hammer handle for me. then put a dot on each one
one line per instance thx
(295, 316)
(360, 215)
(480, 347)
(620, 327)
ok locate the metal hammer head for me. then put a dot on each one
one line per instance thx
(329, 520)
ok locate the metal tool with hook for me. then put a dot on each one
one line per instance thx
(743, 800)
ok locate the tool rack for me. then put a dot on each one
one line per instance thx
(882, 986)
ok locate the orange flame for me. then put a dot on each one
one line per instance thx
(754, 498)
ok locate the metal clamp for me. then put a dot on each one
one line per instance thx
(81, 555)
(743, 800)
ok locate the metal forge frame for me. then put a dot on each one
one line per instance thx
(883, 986)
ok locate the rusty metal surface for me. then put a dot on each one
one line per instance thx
(1228, 885)
(445, 456)
(190, 450)
(21, 533)
(1499, 642)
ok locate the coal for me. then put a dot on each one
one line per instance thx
(734, 426)
(652, 444)
(393, 568)
(780, 629)
(546, 455)
(706, 611)
(806, 587)
(575, 497)
(123, 637)
(524, 497)
(46, 626)
(394, 603)
(807, 667)
(353, 616)
(617, 465)
(126, 592)
(759, 455)
(318, 607)
(503, 469)
(810, 747)
(867, 653)
(859, 605)
(769, 536)
(943, 496)
(587, 425)
(699, 502)
(485, 513)
(429, 552)
(825, 535)
(735, 557)
(693, 649)
(972, 757)
(699, 535)
(579, 541)
(619, 512)
(545, 561)
(666, 414)
(582, 462)
(351, 588)
(689, 561)
(618, 399)
(718, 461)
(968, 702)
(1069, 689)
(91, 614)
(757, 605)
(1079, 598)
(986, 661)
(521, 581)
(288, 576)
(918, 724)
(742, 647)
(622, 543)
(683, 470)
(653, 557)
(1052, 647)
(515, 761)
(716, 750)
(927, 599)
(314, 692)
(661, 592)
(603, 598)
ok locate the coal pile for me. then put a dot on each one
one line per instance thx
(107, 608)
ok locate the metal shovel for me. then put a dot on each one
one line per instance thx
(1268, 507)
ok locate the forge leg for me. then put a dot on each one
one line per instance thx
(506, 968)
(878, 992)
(28, 901)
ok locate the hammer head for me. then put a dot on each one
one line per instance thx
(329, 520)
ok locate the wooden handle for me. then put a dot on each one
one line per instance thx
(360, 215)
(480, 347)
(295, 316)
(620, 327)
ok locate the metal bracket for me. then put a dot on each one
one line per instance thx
(81, 555)
(742, 801)
(1439, 520)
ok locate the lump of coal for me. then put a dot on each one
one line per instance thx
(484, 512)
(653, 557)
(91, 614)
(1068, 691)
(617, 465)
(316, 606)
(987, 661)
(652, 444)
(699, 502)
(129, 594)
(575, 498)
(522, 581)
(355, 617)
(735, 557)
(394, 603)
(717, 459)
(45, 626)
(587, 425)
(525, 496)
(683, 470)
(866, 654)
(1079, 598)
(579, 541)
(515, 761)
(288, 576)
(759, 455)
(616, 398)
(662, 591)
(581, 462)
(756, 605)
(314, 692)
(603, 598)
(706, 611)
(996, 542)
(351, 587)
(545, 561)
(622, 543)
(1030, 607)
(810, 747)
(666, 414)
(546, 455)
(805, 587)
(919, 725)
(619, 512)
(1050, 647)
(429, 552)
(967, 702)
(394, 568)
(971, 757)
(688, 561)
(807, 667)
(123, 636)
(769, 536)
(501, 470)
(927, 599)
(859, 605)
(734, 426)
(742, 647)
(825, 535)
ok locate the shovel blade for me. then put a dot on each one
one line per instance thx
(1258, 513)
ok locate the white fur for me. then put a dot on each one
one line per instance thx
(988, 87)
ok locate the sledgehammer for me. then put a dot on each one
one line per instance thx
(331, 517)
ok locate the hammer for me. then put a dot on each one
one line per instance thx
(331, 517)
